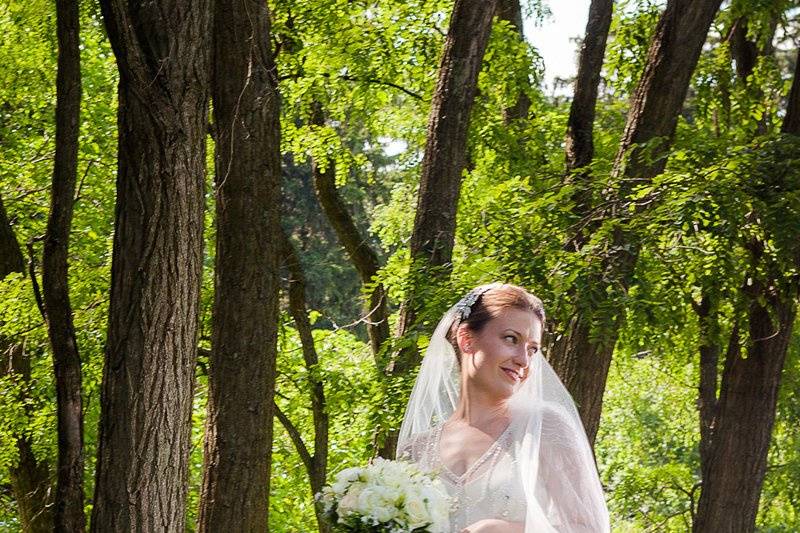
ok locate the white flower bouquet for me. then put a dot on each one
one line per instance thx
(386, 497)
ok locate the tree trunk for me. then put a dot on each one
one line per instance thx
(316, 464)
(579, 140)
(30, 478)
(734, 468)
(511, 12)
(432, 238)
(68, 509)
(163, 52)
(238, 443)
(582, 356)
(433, 234)
(357, 247)
(579, 143)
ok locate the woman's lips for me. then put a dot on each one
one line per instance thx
(511, 374)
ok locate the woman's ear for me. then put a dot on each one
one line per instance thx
(464, 339)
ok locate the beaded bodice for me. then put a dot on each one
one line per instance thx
(490, 488)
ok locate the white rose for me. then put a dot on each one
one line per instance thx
(417, 511)
(344, 478)
(368, 500)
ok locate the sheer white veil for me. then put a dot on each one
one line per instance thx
(562, 489)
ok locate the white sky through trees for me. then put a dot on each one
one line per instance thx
(554, 39)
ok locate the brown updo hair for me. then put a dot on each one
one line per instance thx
(498, 298)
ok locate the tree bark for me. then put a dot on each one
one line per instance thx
(68, 510)
(357, 247)
(733, 468)
(511, 12)
(317, 463)
(579, 142)
(30, 477)
(582, 355)
(580, 136)
(433, 235)
(238, 442)
(163, 54)
(443, 163)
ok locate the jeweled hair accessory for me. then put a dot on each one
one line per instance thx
(464, 306)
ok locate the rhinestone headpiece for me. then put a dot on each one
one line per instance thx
(464, 306)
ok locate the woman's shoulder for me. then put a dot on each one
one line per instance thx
(550, 416)
(415, 446)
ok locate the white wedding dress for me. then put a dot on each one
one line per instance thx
(490, 488)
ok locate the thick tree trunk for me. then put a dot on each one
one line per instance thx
(582, 360)
(443, 163)
(316, 464)
(238, 443)
(163, 54)
(30, 478)
(68, 510)
(511, 12)
(356, 245)
(733, 468)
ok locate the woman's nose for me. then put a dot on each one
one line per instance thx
(521, 357)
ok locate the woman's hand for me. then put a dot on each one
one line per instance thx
(493, 525)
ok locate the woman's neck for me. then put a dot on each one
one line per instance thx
(477, 410)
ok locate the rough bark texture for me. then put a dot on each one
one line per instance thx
(30, 477)
(238, 443)
(579, 142)
(356, 245)
(445, 156)
(68, 510)
(708, 326)
(580, 136)
(163, 54)
(511, 12)
(733, 468)
(582, 360)
(316, 464)
(433, 234)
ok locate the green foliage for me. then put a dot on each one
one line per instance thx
(731, 180)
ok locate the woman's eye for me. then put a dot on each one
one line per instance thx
(512, 337)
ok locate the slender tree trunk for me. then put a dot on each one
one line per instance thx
(30, 478)
(316, 464)
(580, 136)
(238, 444)
(583, 354)
(511, 12)
(356, 245)
(163, 54)
(579, 142)
(68, 510)
(734, 467)
(433, 234)
(444, 160)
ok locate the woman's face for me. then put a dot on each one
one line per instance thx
(497, 359)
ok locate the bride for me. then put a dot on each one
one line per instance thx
(489, 414)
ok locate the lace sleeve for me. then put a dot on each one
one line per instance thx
(572, 491)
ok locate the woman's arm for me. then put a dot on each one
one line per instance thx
(493, 525)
